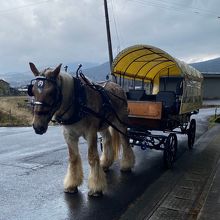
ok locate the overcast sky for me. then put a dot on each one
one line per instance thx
(63, 31)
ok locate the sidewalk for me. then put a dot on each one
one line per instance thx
(190, 191)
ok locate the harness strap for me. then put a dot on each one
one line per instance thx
(95, 86)
(97, 115)
(105, 97)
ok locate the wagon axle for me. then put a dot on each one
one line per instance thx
(168, 144)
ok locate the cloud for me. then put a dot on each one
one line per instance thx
(55, 31)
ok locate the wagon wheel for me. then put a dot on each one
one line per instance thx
(191, 132)
(170, 150)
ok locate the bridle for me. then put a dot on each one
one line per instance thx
(39, 82)
(79, 100)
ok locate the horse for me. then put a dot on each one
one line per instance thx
(84, 109)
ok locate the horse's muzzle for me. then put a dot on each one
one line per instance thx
(39, 129)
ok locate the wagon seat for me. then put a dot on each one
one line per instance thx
(140, 95)
(168, 99)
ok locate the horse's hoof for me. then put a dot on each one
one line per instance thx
(71, 190)
(95, 194)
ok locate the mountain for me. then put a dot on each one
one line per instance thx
(209, 66)
(72, 67)
(17, 79)
(98, 72)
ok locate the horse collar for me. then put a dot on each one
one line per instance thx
(77, 103)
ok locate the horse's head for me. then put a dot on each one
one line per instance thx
(47, 96)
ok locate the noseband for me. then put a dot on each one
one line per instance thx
(39, 81)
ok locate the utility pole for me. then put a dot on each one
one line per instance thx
(108, 35)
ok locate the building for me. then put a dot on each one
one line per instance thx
(4, 88)
(211, 86)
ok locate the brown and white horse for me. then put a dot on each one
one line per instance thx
(61, 96)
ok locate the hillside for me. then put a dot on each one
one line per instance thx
(14, 111)
(17, 79)
(99, 72)
(208, 66)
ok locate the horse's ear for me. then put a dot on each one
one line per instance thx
(57, 70)
(34, 69)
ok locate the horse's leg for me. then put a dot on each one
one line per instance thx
(74, 175)
(97, 179)
(128, 159)
(107, 157)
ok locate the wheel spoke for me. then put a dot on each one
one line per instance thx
(191, 133)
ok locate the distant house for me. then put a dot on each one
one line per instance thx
(211, 86)
(4, 88)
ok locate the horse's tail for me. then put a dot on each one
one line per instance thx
(115, 142)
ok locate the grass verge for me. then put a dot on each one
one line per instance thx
(14, 111)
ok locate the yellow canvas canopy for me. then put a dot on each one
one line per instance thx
(144, 62)
(149, 63)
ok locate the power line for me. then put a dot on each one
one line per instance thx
(179, 5)
(115, 24)
(23, 6)
(176, 6)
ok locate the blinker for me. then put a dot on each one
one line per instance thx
(39, 82)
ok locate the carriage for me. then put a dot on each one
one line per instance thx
(163, 93)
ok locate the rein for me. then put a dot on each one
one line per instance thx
(106, 104)
(105, 97)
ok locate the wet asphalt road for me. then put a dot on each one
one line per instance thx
(32, 169)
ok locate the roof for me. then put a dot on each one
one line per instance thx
(211, 75)
(3, 81)
(145, 62)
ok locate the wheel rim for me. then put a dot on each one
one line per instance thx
(170, 150)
